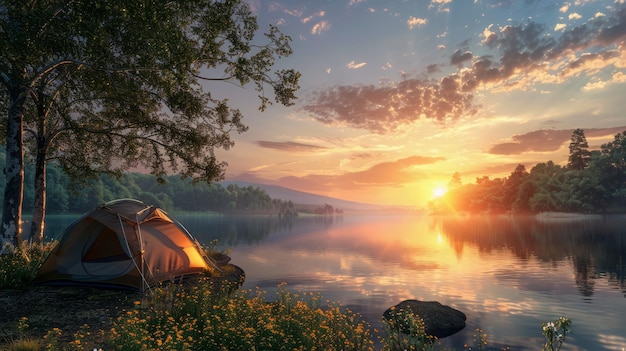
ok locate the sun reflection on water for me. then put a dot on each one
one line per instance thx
(506, 281)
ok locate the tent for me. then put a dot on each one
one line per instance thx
(123, 244)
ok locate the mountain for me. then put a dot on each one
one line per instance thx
(303, 198)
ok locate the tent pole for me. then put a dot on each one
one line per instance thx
(144, 283)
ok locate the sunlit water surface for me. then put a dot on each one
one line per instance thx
(508, 275)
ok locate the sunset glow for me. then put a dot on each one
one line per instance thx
(398, 96)
(439, 192)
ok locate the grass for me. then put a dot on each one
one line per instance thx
(20, 266)
(209, 316)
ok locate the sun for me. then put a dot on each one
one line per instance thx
(439, 192)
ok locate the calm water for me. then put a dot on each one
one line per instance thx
(508, 275)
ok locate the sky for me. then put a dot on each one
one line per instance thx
(397, 96)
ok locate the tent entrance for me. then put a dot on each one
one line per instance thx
(106, 256)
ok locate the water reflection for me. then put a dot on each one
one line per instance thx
(507, 274)
(596, 246)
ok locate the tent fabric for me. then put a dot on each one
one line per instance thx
(126, 244)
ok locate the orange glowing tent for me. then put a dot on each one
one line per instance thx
(123, 244)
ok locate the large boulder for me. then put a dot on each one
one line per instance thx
(439, 320)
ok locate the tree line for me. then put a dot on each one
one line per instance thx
(172, 194)
(590, 182)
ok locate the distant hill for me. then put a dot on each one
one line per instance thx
(303, 198)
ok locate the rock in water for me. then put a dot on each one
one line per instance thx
(439, 320)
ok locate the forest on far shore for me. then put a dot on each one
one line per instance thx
(175, 194)
(591, 182)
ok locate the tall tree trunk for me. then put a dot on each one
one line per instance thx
(11, 229)
(39, 208)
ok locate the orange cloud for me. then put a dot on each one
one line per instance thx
(546, 140)
(383, 174)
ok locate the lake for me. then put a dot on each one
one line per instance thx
(507, 274)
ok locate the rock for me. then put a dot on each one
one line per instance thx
(439, 320)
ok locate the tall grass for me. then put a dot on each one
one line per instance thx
(19, 265)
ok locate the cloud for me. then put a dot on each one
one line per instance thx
(497, 170)
(546, 140)
(574, 16)
(487, 33)
(590, 62)
(320, 27)
(560, 27)
(295, 13)
(440, 4)
(290, 146)
(518, 57)
(382, 109)
(413, 22)
(310, 18)
(265, 166)
(392, 173)
(459, 57)
(354, 65)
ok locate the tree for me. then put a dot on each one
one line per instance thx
(579, 153)
(548, 181)
(613, 159)
(513, 184)
(87, 78)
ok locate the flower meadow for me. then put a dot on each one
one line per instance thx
(205, 314)
(174, 318)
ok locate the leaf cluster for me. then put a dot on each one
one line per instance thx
(111, 85)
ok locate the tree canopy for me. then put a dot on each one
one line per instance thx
(109, 85)
(592, 182)
(579, 153)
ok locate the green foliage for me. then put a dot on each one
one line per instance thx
(406, 331)
(196, 318)
(19, 265)
(592, 182)
(578, 151)
(555, 333)
(80, 79)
